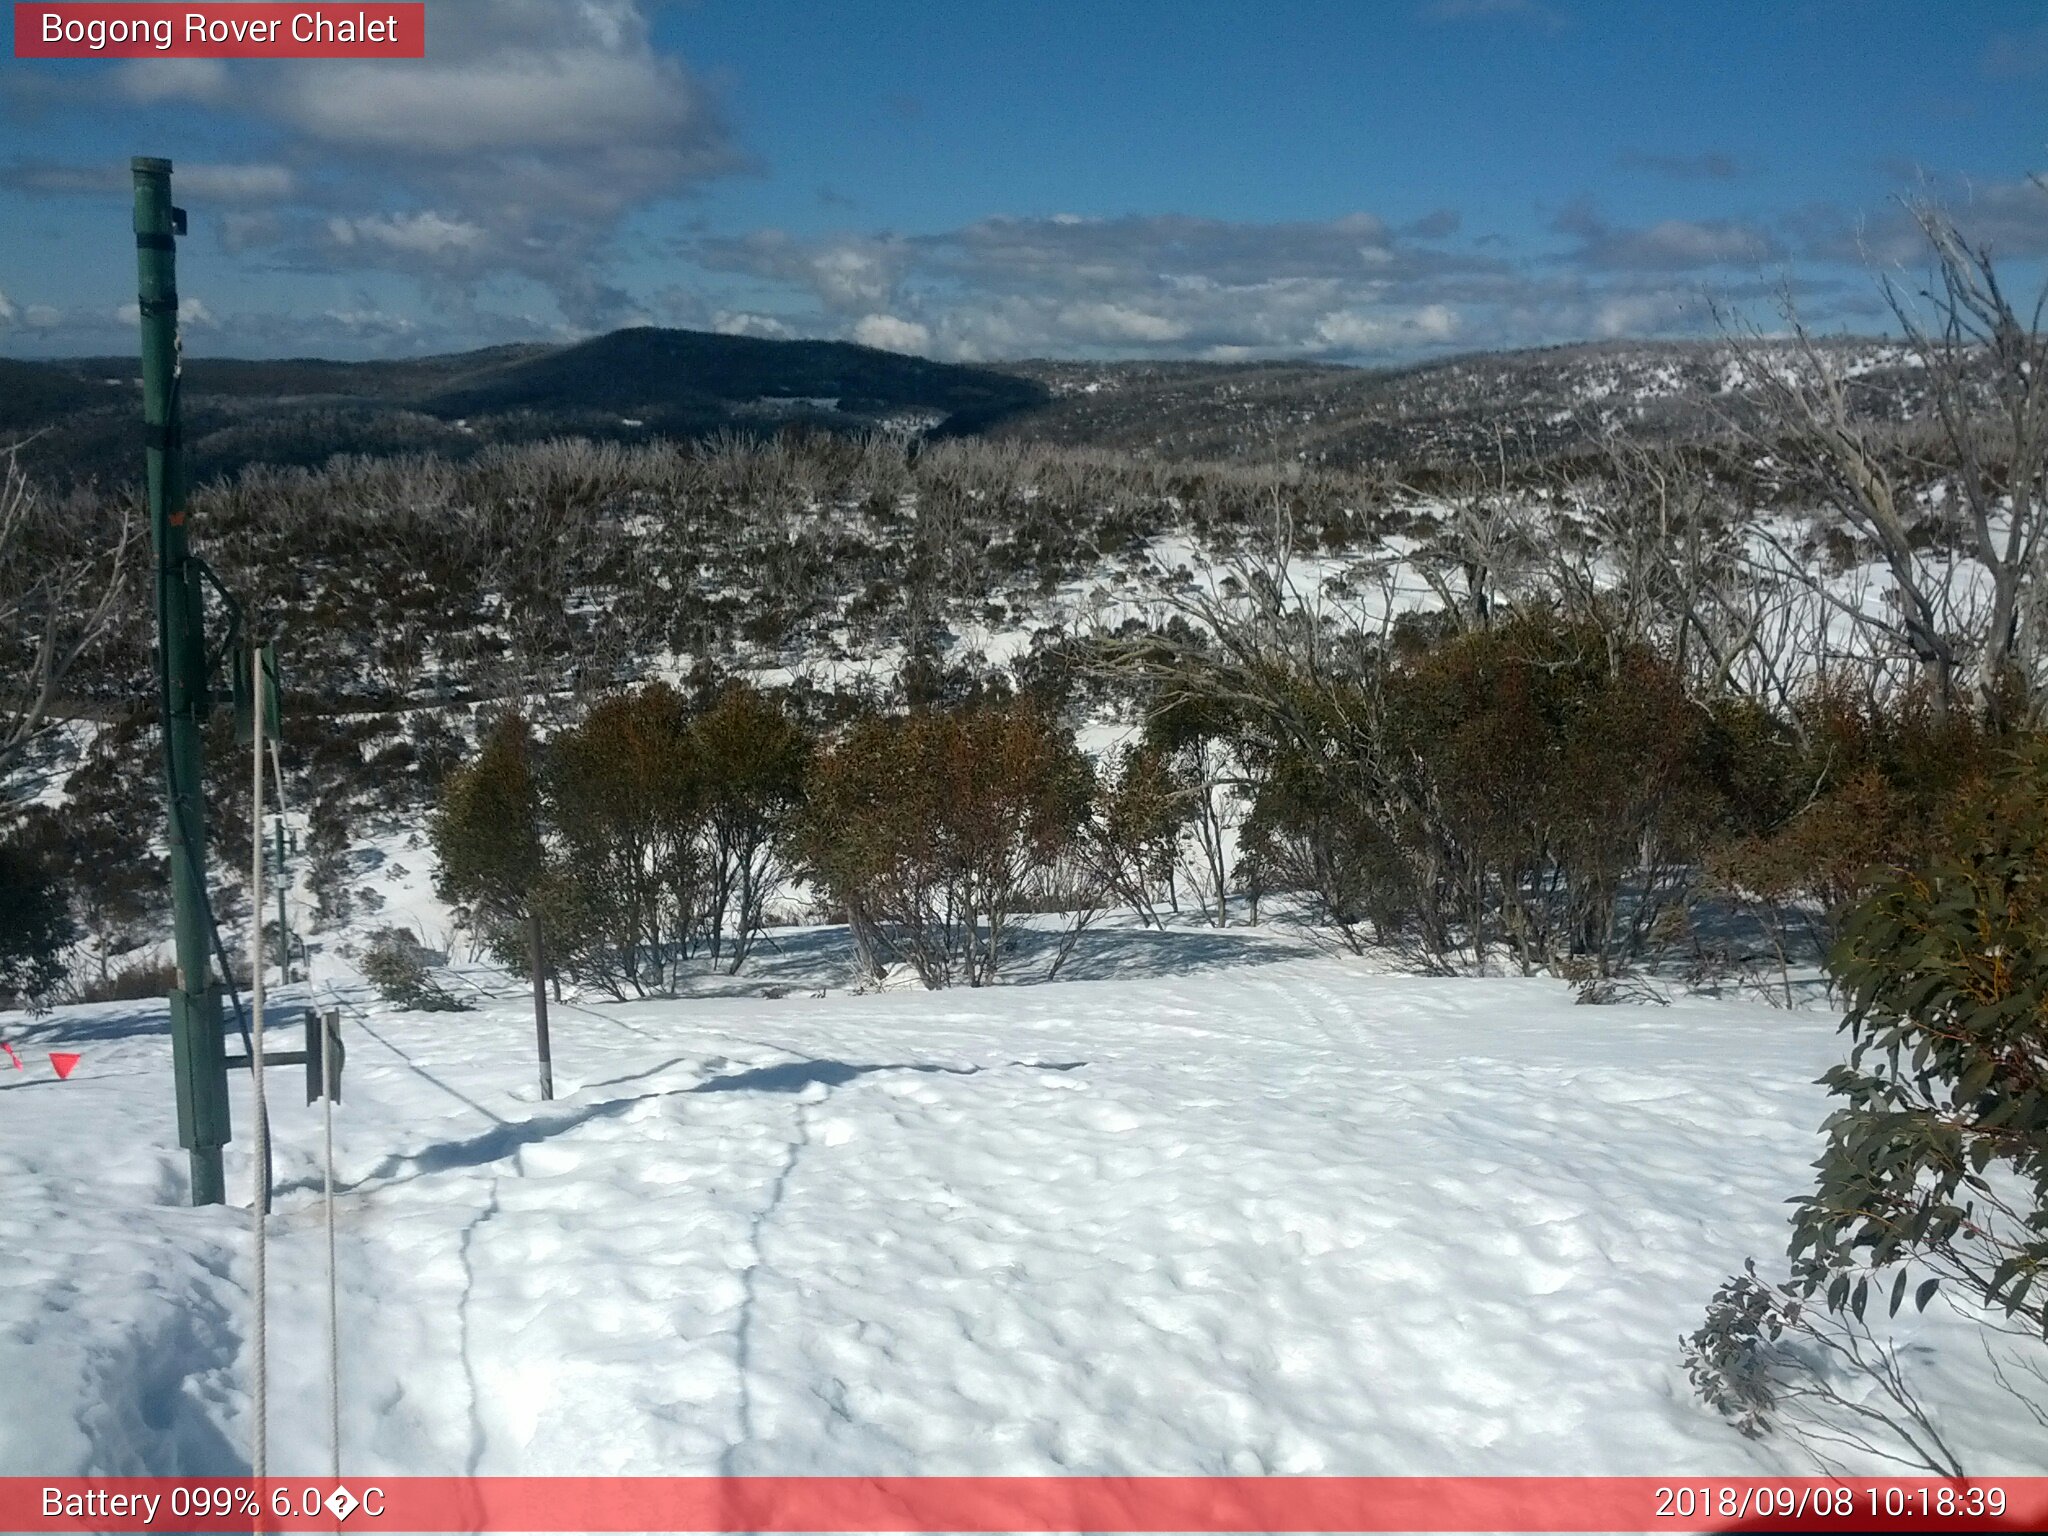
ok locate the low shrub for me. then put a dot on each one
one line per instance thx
(401, 969)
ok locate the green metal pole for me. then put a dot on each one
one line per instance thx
(198, 1059)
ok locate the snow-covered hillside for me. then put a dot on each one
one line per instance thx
(1216, 1207)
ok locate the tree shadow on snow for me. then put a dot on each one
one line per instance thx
(795, 1076)
(508, 1137)
(494, 1145)
(790, 960)
(67, 1028)
(1126, 953)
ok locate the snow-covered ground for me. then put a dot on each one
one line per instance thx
(1215, 1206)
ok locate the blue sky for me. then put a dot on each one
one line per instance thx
(1369, 181)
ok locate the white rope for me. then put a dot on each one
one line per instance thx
(260, 1205)
(284, 931)
(329, 1040)
(293, 910)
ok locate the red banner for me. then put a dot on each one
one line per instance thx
(217, 31)
(1031, 1504)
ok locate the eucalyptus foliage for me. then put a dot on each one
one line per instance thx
(1939, 1150)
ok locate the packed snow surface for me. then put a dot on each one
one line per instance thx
(1223, 1209)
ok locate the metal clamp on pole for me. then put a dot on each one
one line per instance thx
(323, 1033)
(323, 1039)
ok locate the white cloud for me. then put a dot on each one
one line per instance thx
(530, 130)
(192, 182)
(2010, 217)
(847, 276)
(1150, 285)
(1683, 243)
(1635, 314)
(421, 234)
(1671, 245)
(7, 310)
(576, 100)
(744, 323)
(191, 311)
(1349, 331)
(1438, 322)
(1355, 288)
(850, 274)
(371, 322)
(234, 183)
(147, 81)
(1120, 322)
(892, 334)
(1162, 284)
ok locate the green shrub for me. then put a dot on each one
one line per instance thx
(623, 797)
(1938, 1155)
(35, 921)
(1848, 788)
(929, 831)
(401, 969)
(140, 979)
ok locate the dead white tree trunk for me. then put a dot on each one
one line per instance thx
(60, 593)
(1984, 365)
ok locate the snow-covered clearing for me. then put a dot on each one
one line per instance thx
(1228, 1209)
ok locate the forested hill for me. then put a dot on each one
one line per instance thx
(85, 416)
(637, 384)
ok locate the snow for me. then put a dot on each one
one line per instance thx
(1219, 1206)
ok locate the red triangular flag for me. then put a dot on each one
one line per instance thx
(63, 1061)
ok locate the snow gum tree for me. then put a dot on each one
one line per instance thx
(623, 792)
(752, 758)
(1554, 773)
(63, 581)
(35, 923)
(1967, 605)
(487, 836)
(1841, 790)
(1136, 829)
(931, 828)
(1194, 737)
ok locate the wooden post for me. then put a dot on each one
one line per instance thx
(537, 948)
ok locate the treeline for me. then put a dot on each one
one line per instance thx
(1521, 795)
(1530, 794)
(649, 838)
(417, 579)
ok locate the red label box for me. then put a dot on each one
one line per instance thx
(1024, 1504)
(370, 30)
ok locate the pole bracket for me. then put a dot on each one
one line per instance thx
(322, 1032)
